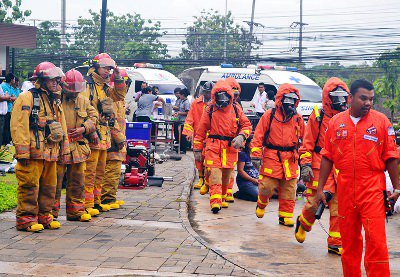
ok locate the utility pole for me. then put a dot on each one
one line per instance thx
(251, 26)
(62, 42)
(103, 26)
(225, 33)
(301, 33)
(300, 24)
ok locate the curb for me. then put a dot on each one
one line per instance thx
(184, 215)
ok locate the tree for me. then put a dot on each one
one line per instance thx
(127, 37)
(48, 48)
(10, 11)
(205, 39)
(388, 86)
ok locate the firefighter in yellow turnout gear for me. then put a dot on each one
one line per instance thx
(101, 97)
(81, 119)
(38, 130)
(116, 154)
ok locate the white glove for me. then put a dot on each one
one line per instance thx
(238, 141)
(197, 155)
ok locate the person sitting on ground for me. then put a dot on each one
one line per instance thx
(270, 103)
(247, 177)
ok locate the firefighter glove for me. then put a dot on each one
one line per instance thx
(197, 155)
(94, 138)
(306, 172)
(56, 132)
(107, 106)
(256, 162)
(238, 141)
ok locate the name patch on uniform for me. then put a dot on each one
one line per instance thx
(371, 130)
(371, 138)
(391, 131)
(341, 134)
(26, 108)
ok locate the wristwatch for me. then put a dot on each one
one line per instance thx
(397, 191)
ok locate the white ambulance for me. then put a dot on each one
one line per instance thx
(248, 78)
(153, 75)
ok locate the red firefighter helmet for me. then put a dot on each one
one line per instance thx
(47, 70)
(73, 81)
(104, 60)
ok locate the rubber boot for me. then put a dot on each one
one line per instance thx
(85, 217)
(102, 207)
(35, 228)
(113, 206)
(215, 208)
(53, 225)
(204, 189)
(224, 204)
(199, 184)
(260, 212)
(300, 233)
(337, 250)
(285, 221)
(230, 199)
(120, 202)
(92, 211)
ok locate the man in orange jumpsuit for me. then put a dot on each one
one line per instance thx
(275, 143)
(361, 143)
(228, 129)
(192, 123)
(334, 100)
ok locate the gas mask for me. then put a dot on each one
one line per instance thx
(236, 94)
(339, 99)
(222, 99)
(289, 104)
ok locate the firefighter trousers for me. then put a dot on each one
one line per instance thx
(286, 191)
(230, 185)
(75, 192)
(37, 183)
(94, 175)
(218, 182)
(111, 181)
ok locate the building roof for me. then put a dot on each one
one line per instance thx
(17, 36)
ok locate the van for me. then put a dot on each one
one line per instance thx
(153, 75)
(248, 78)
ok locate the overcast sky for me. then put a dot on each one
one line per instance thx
(336, 27)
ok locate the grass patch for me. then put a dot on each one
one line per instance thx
(8, 192)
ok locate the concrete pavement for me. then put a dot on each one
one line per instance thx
(268, 248)
(149, 236)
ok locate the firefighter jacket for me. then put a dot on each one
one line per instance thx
(222, 125)
(118, 133)
(276, 140)
(194, 115)
(22, 128)
(314, 136)
(79, 113)
(97, 89)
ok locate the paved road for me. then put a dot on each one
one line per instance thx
(264, 246)
(150, 236)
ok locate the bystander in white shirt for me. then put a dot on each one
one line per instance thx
(259, 100)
